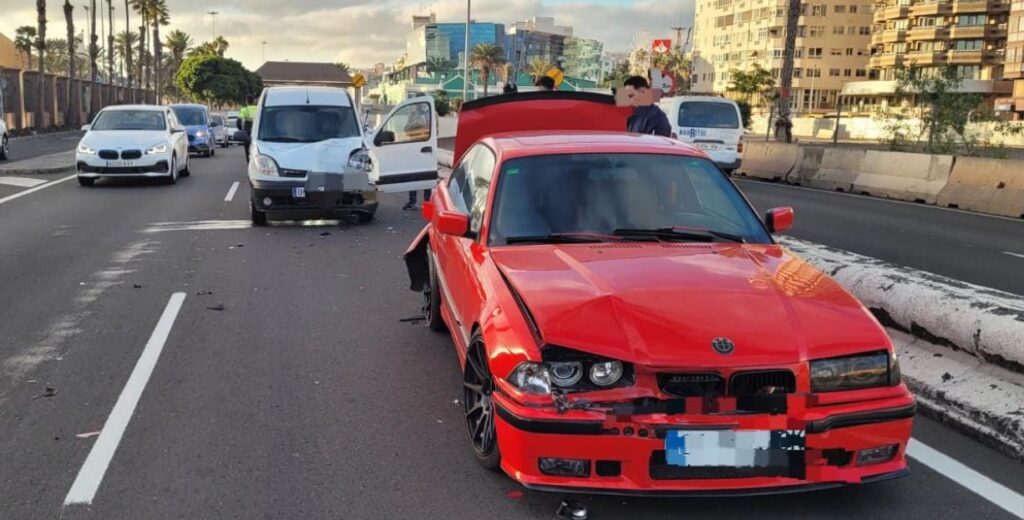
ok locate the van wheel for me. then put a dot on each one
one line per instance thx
(5, 148)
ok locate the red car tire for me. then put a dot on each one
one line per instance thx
(478, 385)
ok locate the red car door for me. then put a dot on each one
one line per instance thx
(459, 258)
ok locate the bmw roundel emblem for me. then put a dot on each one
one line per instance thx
(723, 345)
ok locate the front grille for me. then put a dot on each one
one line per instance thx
(131, 154)
(285, 172)
(109, 155)
(763, 382)
(692, 385)
(777, 464)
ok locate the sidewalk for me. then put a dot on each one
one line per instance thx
(61, 162)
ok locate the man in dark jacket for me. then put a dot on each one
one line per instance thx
(647, 118)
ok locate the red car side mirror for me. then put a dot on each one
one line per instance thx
(427, 211)
(451, 222)
(779, 220)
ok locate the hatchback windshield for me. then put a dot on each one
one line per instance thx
(190, 116)
(704, 114)
(129, 120)
(622, 195)
(307, 124)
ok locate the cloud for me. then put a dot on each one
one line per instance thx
(363, 32)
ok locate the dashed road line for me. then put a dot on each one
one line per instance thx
(1018, 255)
(37, 188)
(21, 182)
(83, 490)
(981, 485)
(231, 192)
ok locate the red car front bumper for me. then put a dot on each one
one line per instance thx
(626, 454)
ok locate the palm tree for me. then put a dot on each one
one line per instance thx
(94, 49)
(125, 43)
(538, 67)
(345, 67)
(110, 45)
(126, 61)
(41, 47)
(158, 16)
(437, 64)
(142, 8)
(71, 114)
(220, 46)
(25, 41)
(486, 57)
(178, 44)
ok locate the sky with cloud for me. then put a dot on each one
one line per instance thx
(363, 32)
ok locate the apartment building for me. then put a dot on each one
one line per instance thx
(832, 46)
(1013, 67)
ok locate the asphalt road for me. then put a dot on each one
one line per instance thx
(288, 386)
(43, 144)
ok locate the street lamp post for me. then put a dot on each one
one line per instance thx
(465, 56)
(213, 24)
(264, 51)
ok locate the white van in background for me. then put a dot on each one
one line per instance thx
(711, 124)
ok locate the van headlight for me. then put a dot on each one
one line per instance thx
(160, 148)
(870, 370)
(266, 165)
(200, 133)
(360, 160)
(85, 150)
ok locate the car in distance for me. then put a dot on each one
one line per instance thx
(5, 143)
(626, 323)
(196, 119)
(144, 141)
(220, 131)
(711, 124)
(233, 127)
(310, 158)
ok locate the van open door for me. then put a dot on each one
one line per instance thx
(403, 148)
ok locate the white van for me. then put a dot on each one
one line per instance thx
(310, 158)
(711, 124)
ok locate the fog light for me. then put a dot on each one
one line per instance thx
(564, 467)
(876, 455)
(267, 201)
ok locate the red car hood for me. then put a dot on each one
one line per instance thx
(662, 304)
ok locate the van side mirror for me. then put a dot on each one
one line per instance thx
(779, 220)
(238, 123)
(384, 137)
(85, 128)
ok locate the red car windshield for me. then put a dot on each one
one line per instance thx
(619, 194)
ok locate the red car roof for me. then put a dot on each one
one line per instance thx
(522, 144)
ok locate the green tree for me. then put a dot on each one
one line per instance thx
(25, 41)
(441, 103)
(217, 47)
(942, 108)
(158, 15)
(538, 67)
(214, 79)
(178, 44)
(345, 67)
(486, 57)
(757, 80)
(436, 65)
(124, 43)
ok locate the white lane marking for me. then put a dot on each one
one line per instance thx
(21, 182)
(1018, 255)
(980, 484)
(231, 192)
(199, 225)
(83, 490)
(868, 197)
(37, 188)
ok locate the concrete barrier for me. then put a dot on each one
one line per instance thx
(993, 186)
(914, 177)
(839, 168)
(769, 160)
(807, 166)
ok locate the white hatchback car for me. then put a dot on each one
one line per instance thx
(133, 141)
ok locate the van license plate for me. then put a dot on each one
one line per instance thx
(707, 146)
(299, 193)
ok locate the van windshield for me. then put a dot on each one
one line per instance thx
(703, 114)
(307, 123)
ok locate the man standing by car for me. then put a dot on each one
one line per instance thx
(245, 117)
(647, 118)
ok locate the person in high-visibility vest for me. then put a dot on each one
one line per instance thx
(245, 117)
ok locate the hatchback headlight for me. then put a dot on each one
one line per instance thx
(200, 133)
(874, 369)
(85, 150)
(159, 148)
(266, 165)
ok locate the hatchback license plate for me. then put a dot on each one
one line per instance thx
(729, 448)
(299, 193)
(120, 164)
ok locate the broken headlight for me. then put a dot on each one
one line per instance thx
(856, 372)
(532, 378)
(575, 371)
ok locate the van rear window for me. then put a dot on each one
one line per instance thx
(700, 114)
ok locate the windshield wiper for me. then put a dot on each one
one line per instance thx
(559, 238)
(669, 233)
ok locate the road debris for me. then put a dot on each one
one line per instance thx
(47, 392)
(325, 234)
(136, 286)
(414, 319)
(203, 293)
(571, 510)
(946, 377)
(87, 435)
(218, 307)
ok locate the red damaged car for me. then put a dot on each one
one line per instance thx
(626, 323)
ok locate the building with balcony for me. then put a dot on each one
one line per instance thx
(931, 35)
(1013, 64)
(832, 45)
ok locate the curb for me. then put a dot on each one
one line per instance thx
(70, 168)
(59, 162)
